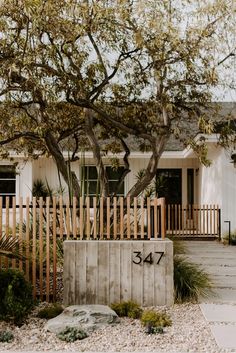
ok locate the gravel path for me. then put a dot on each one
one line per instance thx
(188, 333)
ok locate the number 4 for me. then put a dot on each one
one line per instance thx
(149, 259)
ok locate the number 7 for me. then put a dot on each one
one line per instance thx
(161, 253)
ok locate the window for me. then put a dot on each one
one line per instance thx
(169, 185)
(7, 182)
(90, 184)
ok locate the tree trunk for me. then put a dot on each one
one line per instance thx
(70, 179)
(102, 175)
(151, 169)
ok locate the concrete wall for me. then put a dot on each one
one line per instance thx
(103, 272)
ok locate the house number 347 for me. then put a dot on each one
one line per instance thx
(151, 258)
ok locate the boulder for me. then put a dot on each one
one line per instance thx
(86, 317)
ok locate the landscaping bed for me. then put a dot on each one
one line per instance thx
(189, 333)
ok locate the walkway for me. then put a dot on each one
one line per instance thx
(219, 310)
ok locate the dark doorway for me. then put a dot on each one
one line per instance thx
(169, 185)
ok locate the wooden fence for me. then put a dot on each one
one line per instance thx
(193, 220)
(41, 225)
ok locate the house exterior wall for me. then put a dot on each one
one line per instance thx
(217, 185)
(45, 169)
(23, 177)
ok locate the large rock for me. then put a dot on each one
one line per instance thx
(87, 317)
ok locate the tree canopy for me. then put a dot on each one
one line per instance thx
(82, 70)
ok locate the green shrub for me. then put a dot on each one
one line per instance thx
(225, 238)
(16, 299)
(72, 334)
(6, 336)
(129, 308)
(50, 311)
(190, 281)
(151, 319)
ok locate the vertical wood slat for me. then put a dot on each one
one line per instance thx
(101, 217)
(94, 218)
(81, 218)
(13, 226)
(27, 239)
(183, 227)
(168, 215)
(87, 217)
(148, 218)
(41, 247)
(197, 219)
(20, 230)
(74, 218)
(135, 219)
(155, 219)
(142, 217)
(215, 219)
(200, 219)
(207, 214)
(7, 227)
(7, 216)
(121, 218)
(203, 220)
(68, 218)
(115, 217)
(211, 228)
(176, 218)
(172, 219)
(128, 218)
(61, 217)
(47, 248)
(34, 222)
(54, 235)
(179, 219)
(108, 217)
(163, 218)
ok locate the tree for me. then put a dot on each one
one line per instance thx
(109, 69)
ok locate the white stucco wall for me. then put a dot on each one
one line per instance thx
(217, 185)
(45, 169)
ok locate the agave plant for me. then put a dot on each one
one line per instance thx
(10, 247)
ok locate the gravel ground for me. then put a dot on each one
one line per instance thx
(189, 333)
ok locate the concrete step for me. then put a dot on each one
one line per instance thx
(221, 295)
(219, 270)
(211, 261)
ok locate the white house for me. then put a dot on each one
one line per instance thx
(185, 181)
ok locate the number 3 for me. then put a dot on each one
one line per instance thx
(138, 256)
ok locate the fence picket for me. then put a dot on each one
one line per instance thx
(135, 219)
(108, 217)
(115, 217)
(13, 226)
(54, 232)
(47, 248)
(34, 245)
(41, 241)
(27, 240)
